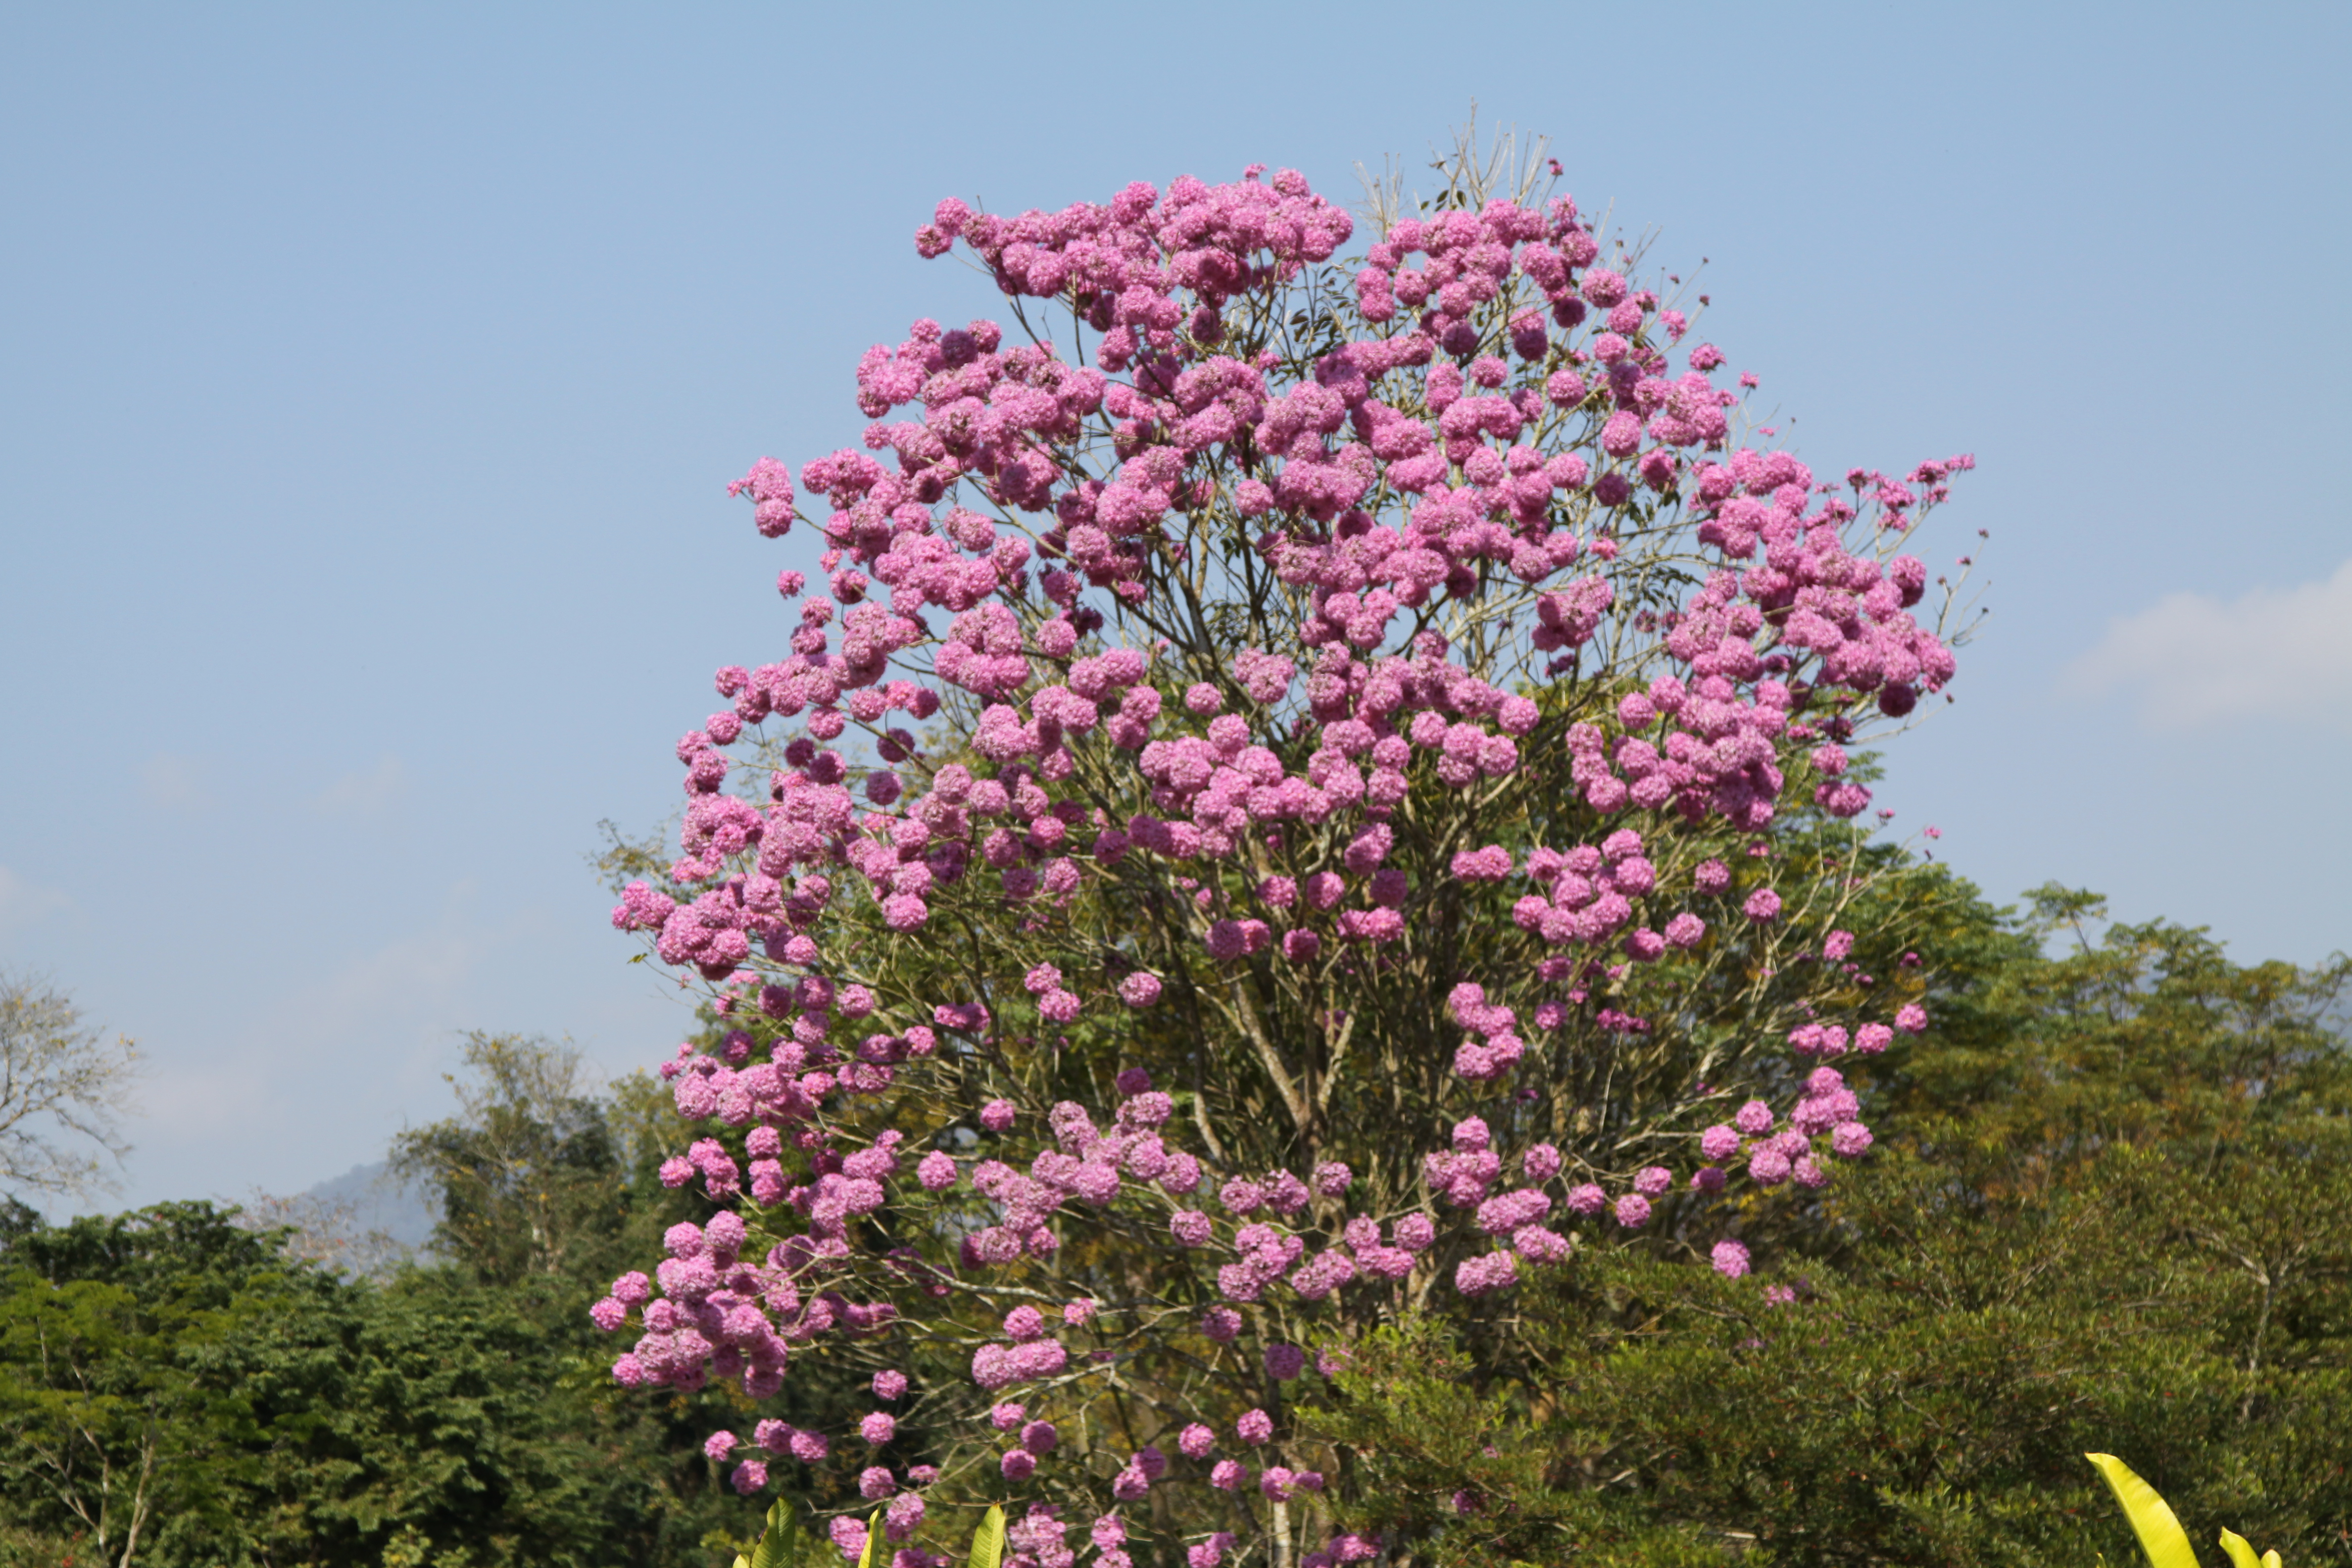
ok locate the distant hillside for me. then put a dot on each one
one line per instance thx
(362, 1223)
(378, 1203)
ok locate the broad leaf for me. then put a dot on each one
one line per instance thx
(2160, 1535)
(780, 1542)
(2241, 1553)
(988, 1541)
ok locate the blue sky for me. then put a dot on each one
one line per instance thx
(369, 378)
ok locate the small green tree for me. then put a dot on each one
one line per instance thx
(529, 1174)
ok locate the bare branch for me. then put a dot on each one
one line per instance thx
(63, 1086)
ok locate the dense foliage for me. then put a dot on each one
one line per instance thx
(2110, 1216)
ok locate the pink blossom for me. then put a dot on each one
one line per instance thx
(1485, 1273)
(1850, 1139)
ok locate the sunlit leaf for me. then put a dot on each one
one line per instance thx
(2152, 1519)
(780, 1542)
(988, 1541)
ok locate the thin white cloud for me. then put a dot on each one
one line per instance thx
(399, 1004)
(2198, 660)
(415, 975)
(367, 793)
(170, 781)
(24, 903)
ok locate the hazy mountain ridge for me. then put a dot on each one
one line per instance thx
(362, 1223)
(379, 1203)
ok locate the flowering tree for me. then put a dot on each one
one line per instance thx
(1380, 824)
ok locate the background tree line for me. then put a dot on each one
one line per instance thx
(2111, 1210)
(179, 1387)
(2108, 1210)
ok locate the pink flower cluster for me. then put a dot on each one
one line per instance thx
(1280, 668)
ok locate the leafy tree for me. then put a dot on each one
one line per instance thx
(176, 1391)
(530, 1179)
(108, 1426)
(2108, 1214)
